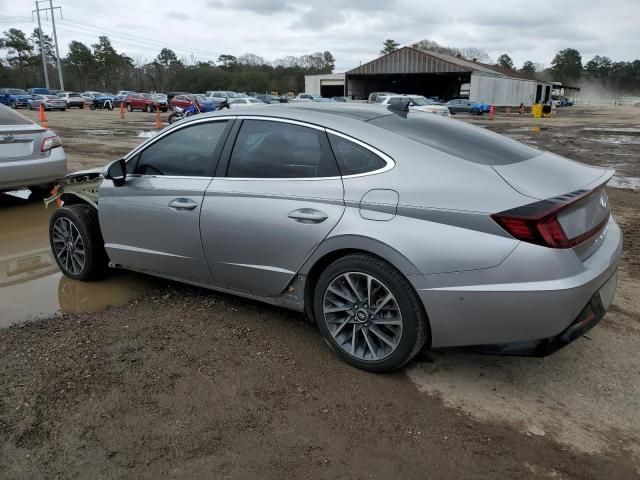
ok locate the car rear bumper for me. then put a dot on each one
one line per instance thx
(39, 171)
(513, 302)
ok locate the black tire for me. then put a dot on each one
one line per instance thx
(40, 191)
(85, 219)
(129, 107)
(172, 118)
(149, 108)
(13, 105)
(415, 325)
(92, 106)
(109, 106)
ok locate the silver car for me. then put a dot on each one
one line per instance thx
(391, 229)
(49, 102)
(30, 155)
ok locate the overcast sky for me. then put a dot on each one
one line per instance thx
(353, 30)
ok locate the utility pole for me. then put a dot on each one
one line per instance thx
(55, 39)
(42, 52)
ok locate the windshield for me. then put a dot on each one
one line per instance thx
(11, 117)
(148, 95)
(16, 91)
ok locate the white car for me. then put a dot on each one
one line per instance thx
(245, 102)
(419, 103)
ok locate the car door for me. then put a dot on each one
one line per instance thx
(281, 196)
(151, 223)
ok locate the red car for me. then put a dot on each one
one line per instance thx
(184, 101)
(147, 102)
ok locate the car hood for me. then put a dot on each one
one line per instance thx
(549, 175)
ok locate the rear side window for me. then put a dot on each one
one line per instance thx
(459, 139)
(354, 159)
(11, 117)
(267, 149)
(185, 152)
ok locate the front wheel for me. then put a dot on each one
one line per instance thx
(172, 118)
(129, 107)
(369, 313)
(92, 106)
(76, 242)
(149, 108)
(13, 105)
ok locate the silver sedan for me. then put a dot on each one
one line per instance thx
(391, 228)
(30, 155)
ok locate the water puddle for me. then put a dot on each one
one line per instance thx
(628, 131)
(32, 286)
(121, 133)
(632, 183)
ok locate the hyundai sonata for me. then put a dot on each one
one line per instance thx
(392, 229)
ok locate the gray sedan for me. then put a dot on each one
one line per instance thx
(392, 229)
(49, 102)
(30, 156)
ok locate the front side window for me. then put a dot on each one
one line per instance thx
(353, 158)
(185, 152)
(267, 149)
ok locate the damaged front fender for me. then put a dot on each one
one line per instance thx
(83, 185)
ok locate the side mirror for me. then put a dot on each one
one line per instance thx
(117, 172)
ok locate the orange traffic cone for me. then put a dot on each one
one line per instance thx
(122, 110)
(158, 119)
(492, 112)
(43, 117)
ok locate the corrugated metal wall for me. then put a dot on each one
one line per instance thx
(502, 91)
(406, 60)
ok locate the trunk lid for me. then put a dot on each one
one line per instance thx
(549, 175)
(19, 142)
(575, 191)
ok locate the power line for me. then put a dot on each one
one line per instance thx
(130, 38)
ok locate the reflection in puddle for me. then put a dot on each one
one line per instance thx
(31, 286)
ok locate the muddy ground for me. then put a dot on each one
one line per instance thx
(186, 383)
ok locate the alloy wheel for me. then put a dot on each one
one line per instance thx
(68, 246)
(363, 316)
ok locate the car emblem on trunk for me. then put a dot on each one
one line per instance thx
(603, 201)
(7, 139)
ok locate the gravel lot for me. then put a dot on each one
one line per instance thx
(185, 383)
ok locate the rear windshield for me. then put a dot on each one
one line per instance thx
(457, 138)
(11, 117)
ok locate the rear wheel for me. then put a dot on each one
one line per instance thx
(129, 107)
(149, 108)
(172, 118)
(92, 106)
(76, 242)
(369, 313)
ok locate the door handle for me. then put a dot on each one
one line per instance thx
(308, 215)
(182, 204)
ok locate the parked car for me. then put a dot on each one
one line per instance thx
(222, 94)
(304, 97)
(244, 102)
(339, 99)
(377, 97)
(120, 96)
(30, 156)
(417, 103)
(89, 96)
(39, 91)
(204, 104)
(72, 99)
(49, 102)
(267, 98)
(14, 97)
(375, 222)
(146, 102)
(464, 105)
(170, 95)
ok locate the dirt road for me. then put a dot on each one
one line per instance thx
(186, 383)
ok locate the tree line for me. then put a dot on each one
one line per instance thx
(622, 78)
(101, 67)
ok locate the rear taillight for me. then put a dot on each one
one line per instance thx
(538, 222)
(50, 142)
